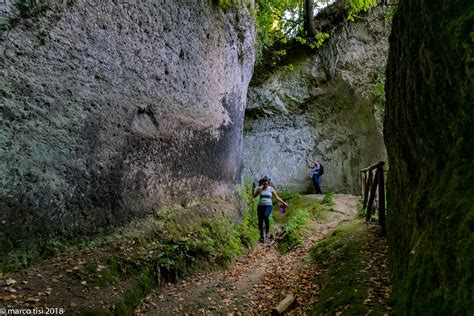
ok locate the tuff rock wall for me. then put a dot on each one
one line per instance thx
(321, 106)
(113, 109)
(429, 132)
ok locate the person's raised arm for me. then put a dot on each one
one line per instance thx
(313, 161)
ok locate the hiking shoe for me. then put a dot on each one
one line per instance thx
(261, 240)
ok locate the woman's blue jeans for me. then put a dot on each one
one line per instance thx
(317, 183)
(263, 212)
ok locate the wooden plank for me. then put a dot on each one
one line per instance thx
(374, 166)
(284, 305)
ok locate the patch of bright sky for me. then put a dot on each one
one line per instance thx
(294, 15)
(318, 6)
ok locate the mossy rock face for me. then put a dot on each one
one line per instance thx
(428, 133)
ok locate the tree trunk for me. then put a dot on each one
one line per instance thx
(309, 25)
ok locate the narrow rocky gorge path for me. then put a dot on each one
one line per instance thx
(257, 282)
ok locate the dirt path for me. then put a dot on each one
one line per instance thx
(256, 283)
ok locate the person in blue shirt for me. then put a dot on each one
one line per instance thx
(316, 174)
(265, 205)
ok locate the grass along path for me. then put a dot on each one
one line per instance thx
(111, 276)
(260, 280)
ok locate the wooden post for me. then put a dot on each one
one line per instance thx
(363, 182)
(372, 196)
(367, 187)
(381, 198)
(374, 178)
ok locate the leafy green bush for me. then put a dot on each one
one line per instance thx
(378, 86)
(292, 230)
(247, 230)
(329, 199)
(218, 240)
(173, 257)
(361, 211)
(19, 258)
(354, 7)
(215, 241)
(313, 43)
(378, 91)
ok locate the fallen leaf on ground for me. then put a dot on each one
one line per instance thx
(8, 298)
(10, 281)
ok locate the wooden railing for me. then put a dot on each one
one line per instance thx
(373, 191)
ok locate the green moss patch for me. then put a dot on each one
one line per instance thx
(355, 280)
(428, 132)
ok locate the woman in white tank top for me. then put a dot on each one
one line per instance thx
(265, 206)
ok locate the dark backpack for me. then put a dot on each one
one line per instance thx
(321, 169)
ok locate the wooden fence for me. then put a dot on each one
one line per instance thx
(373, 190)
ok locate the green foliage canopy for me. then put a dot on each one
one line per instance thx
(279, 21)
(272, 20)
(354, 7)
